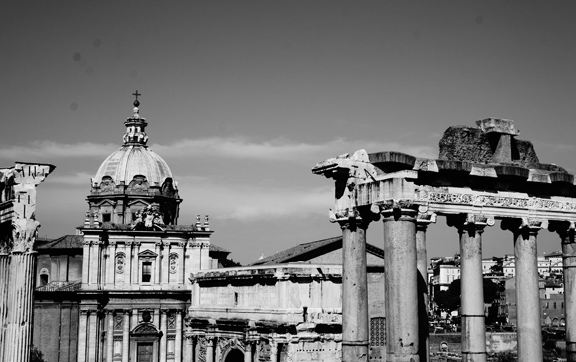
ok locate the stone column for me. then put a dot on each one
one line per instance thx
(181, 262)
(20, 297)
(470, 228)
(110, 337)
(4, 275)
(136, 263)
(527, 291)
(178, 337)
(158, 261)
(354, 290)
(163, 329)
(424, 218)
(86, 263)
(566, 232)
(165, 260)
(82, 335)
(126, 335)
(401, 278)
(248, 351)
(128, 262)
(209, 349)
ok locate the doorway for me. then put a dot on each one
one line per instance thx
(234, 355)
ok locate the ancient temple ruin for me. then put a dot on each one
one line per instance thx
(482, 174)
(18, 230)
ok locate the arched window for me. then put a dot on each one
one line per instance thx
(44, 277)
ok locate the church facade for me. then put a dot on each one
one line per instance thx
(128, 300)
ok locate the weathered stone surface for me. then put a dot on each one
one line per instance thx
(462, 143)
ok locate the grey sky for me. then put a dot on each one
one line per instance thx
(244, 97)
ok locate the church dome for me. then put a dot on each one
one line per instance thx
(134, 160)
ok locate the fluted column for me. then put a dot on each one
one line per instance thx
(163, 329)
(527, 292)
(20, 296)
(401, 279)
(110, 337)
(126, 335)
(82, 335)
(4, 277)
(566, 232)
(178, 337)
(354, 290)
(422, 222)
(470, 228)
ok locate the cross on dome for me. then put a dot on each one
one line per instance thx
(136, 94)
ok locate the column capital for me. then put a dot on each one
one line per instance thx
(523, 225)
(470, 222)
(424, 218)
(357, 217)
(404, 209)
(565, 229)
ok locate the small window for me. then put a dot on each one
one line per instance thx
(106, 217)
(235, 298)
(43, 279)
(146, 272)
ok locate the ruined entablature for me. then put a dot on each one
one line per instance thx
(480, 170)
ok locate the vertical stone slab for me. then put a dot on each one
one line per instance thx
(470, 228)
(402, 329)
(527, 292)
(354, 291)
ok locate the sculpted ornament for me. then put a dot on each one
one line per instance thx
(24, 234)
(148, 218)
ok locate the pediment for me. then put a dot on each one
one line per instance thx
(106, 202)
(147, 254)
(138, 202)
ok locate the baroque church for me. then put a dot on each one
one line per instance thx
(119, 290)
(134, 285)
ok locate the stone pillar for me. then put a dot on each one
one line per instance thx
(566, 232)
(354, 290)
(470, 229)
(158, 261)
(110, 337)
(126, 335)
(209, 349)
(181, 262)
(401, 278)
(248, 351)
(424, 218)
(163, 329)
(86, 263)
(93, 337)
(128, 262)
(111, 265)
(136, 263)
(20, 297)
(178, 337)
(82, 335)
(4, 275)
(527, 291)
(165, 262)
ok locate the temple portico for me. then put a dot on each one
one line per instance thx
(483, 174)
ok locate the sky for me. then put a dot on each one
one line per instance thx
(243, 98)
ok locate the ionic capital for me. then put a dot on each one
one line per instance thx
(357, 217)
(472, 223)
(565, 229)
(527, 226)
(424, 218)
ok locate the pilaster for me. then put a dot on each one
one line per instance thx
(165, 272)
(157, 266)
(126, 335)
(82, 335)
(110, 336)
(128, 262)
(135, 263)
(163, 330)
(178, 339)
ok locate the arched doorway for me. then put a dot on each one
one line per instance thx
(234, 355)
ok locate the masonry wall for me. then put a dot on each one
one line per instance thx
(56, 330)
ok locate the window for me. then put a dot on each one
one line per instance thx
(43, 279)
(146, 272)
(106, 217)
